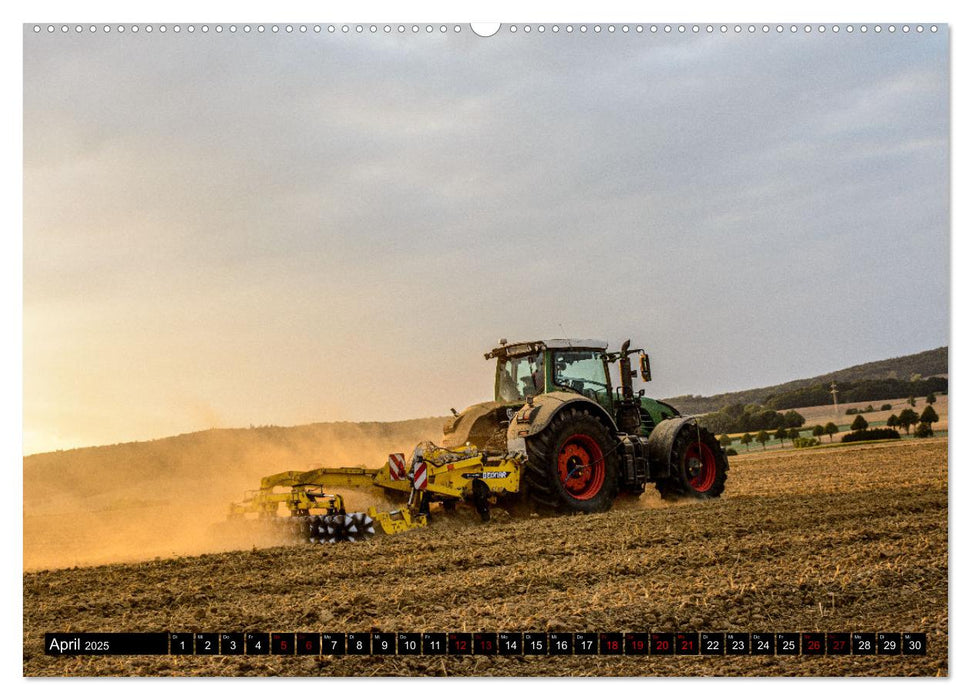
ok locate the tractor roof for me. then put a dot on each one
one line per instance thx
(585, 343)
(523, 348)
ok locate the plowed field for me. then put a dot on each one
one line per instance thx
(835, 539)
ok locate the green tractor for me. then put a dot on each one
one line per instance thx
(582, 443)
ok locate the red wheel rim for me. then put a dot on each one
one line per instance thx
(581, 467)
(699, 466)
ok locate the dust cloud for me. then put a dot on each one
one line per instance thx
(170, 497)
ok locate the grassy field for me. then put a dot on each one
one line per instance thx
(846, 539)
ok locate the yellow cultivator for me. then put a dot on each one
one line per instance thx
(433, 474)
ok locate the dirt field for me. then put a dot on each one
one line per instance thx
(842, 539)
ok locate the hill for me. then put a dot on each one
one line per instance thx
(927, 364)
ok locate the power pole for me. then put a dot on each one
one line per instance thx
(834, 391)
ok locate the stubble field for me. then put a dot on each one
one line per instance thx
(834, 539)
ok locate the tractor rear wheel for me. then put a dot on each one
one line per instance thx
(571, 464)
(698, 466)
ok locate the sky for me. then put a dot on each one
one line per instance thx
(234, 229)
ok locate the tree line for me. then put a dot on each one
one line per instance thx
(861, 390)
(860, 430)
(737, 418)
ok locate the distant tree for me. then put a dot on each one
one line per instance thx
(736, 418)
(912, 401)
(831, 429)
(929, 415)
(859, 424)
(770, 420)
(762, 437)
(793, 435)
(818, 431)
(923, 430)
(893, 421)
(931, 398)
(793, 419)
(781, 434)
(908, 417)
(886, 407)
(746, 439)
(868, 409)
(734, 410)
(852, 411)
(725, 440)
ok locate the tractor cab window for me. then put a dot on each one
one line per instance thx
(582, 371)
(520, 377)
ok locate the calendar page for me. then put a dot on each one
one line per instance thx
(514, 349)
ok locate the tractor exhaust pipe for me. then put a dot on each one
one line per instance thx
(629, 411)
(627, 386)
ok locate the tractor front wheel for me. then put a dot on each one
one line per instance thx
(571, 465)
(698, 466)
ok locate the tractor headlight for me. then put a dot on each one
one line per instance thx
(527, 414)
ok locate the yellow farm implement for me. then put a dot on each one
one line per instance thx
(433, 474)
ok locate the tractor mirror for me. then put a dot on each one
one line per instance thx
(645, 367)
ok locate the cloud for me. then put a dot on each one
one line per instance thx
(720, 197)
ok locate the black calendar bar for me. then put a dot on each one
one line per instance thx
(106, 643)
(493, 644)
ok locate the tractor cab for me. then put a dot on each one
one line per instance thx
(544, 366)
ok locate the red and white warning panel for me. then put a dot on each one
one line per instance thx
(396, 462)
(420, 480)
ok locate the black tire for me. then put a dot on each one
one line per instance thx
(698, 466)
(480, 498)
(587, 449)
